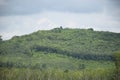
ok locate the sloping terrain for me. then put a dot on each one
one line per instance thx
(60, 54)
(78, 43)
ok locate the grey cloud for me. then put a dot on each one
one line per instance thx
(17, 7)
(113, 9)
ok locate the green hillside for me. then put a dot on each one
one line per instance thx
(60, 54)
(78, 43)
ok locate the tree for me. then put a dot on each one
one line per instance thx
(117, 64)
(61, 27)
(91, 29)
(0, 38)
(58, 29)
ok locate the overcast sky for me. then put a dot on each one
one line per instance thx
(18, 17)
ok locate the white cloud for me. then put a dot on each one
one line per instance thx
(45, 23)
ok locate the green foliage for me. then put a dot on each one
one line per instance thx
(57, 30)
(0, 38)
(91, 29)
(78, 43)
(60, 54)
(54, 61)
(55, 74)
(117, 64)
(117, 60)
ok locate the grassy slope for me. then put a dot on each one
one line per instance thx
(54, 61)
(74, 40)
(42, 50)
(71, 42)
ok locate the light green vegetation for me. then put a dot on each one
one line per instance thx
(117, 64)
(78, 43)
(54, 67)
(55, 74)
(55, 61)
(60, 54)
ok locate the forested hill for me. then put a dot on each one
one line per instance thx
(78, 43)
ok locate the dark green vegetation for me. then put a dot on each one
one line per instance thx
(117, 64)
(60, 54)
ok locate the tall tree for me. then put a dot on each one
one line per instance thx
(0, 38)
(117, 64)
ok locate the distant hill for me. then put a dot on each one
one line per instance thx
(77, 43)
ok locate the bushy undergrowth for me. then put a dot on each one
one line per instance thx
(55, 74)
